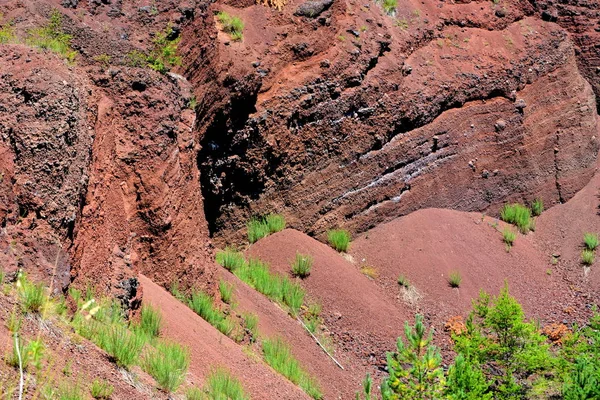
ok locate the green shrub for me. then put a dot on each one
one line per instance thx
(466, 381)
(591, 241)
(275, 222)
(52, 37)
(279, 356)
(302, 265)
(509, 237)
(537, 207)
(582, 383)
(518, 215)
(454, 279)
(232, 25)
(150, 321)
(403, 281)
(230, 259)
(101, 389)
(164, 56)
(389, 6)
(33, 295)
(123, 346)
(587, 257)
(167, 364)
(339, 239)
(222, 385)
(225, 288)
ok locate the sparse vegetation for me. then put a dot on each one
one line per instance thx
(70, 392)
(587, 257)
(7, 33)
(278, 4)
(259, 228)
(167, 364)
(279, 356)
(122, 345)
(101, 389)
(194, 393)
(226, 290)
(234, 26)
(222, 385)
(518, 215)
(302, 265)
(339, 239)
(150, 321)
(33, 295)
(52, 37)
(591, 241)
(403, 281)
(537, 207)
(251, 325)
(454, 279)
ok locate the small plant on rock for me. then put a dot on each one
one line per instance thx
(454, 279)
(302, 265)
(591, 241)
(339, 239)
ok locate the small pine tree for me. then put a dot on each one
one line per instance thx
(582, 383)
(466, 381)
(415, 369)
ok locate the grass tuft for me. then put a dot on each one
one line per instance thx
(150, 321)
(259, 228)
(339, 239)
(222, 385)
(226, 289)
(230, 259)
(52, 37)
(232, 25)
(389, 6)
(67, 392)
(194, 393)
(33, 295)
(101, 389)
(123, 346)
(454, 279)
(167, 364)
(251, 325)
(587, 257)
(518, 215)
(508, 236)
(302, 265)
(279, 356)
(537, 207)
(591, 241)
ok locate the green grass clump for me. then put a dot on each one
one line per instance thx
(302, 265)
(7, 34)
(101, 389)
(259, 228)
(454, 279)
(251, 325)
(203, 305)
(339, 239)
(226, 289)
(67, 392)
(508, 236)
(194, 393)
(150, 321)
(587, 257)
(591, 241)
(403, 281)
(389, 6)
(518, 215)
(53, 38)
(232, 25)
(167, 364)
(537, 207)
(279, 356)
(230, 259)
(222, 385)
(32, 295)
(164, 56)
(122, 345)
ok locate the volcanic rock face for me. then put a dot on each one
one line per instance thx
(379, 122)
(339, 116)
